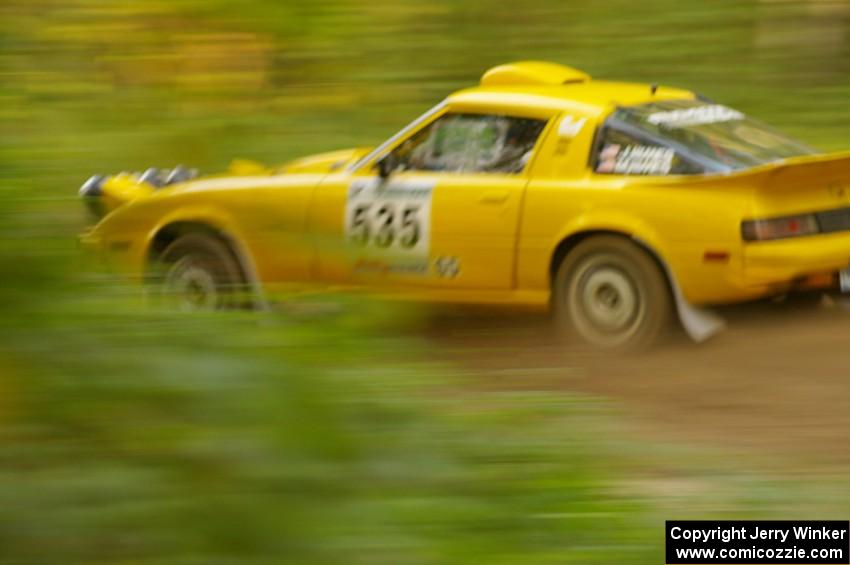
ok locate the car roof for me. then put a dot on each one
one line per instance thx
(548, 86)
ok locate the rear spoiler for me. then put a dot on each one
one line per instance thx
(821, 168)
(804, 162)
(826, 168)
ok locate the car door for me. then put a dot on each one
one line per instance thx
(445, 215)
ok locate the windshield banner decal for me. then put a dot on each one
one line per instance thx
(698, 116)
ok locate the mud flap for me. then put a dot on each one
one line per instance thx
(700, 324)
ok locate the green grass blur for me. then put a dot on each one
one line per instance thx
(131, 435)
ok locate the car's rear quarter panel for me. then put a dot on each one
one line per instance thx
(680, 223)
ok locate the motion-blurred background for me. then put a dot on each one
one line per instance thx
(336, 431)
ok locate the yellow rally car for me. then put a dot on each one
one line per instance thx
(618, 205)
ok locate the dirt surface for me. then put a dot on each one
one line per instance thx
(777, 381)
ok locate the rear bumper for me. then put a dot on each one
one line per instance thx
(792, 262)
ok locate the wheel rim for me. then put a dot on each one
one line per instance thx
(606, 303)
(192, 286)
(610, 300)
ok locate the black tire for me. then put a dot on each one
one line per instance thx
(610, 294)
(199, 272)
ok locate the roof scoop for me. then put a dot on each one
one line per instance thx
(533, 73)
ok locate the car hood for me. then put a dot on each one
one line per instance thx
(107, 193)
(325, 162)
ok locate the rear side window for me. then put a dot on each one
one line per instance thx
(680, 137)
(624, 153)
(471, 143)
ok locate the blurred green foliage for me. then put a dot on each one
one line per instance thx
(142, 437)
(133, 436)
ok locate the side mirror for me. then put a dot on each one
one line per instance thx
(387, 165)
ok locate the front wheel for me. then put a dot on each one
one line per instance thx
(197, 272)
(611, 294)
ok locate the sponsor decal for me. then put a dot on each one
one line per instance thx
(447, 267)
(698, 116)
(378, 267)
(571, 126)
(636, 160)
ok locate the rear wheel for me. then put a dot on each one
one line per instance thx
(198, 272)
(611, 294)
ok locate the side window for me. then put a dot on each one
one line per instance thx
(471, 143)
(621, 153)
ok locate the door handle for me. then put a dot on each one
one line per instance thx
(494, 198)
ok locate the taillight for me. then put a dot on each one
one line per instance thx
(780, 228)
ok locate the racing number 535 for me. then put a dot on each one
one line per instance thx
(381, 224)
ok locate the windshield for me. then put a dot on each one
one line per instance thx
(691, 137)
